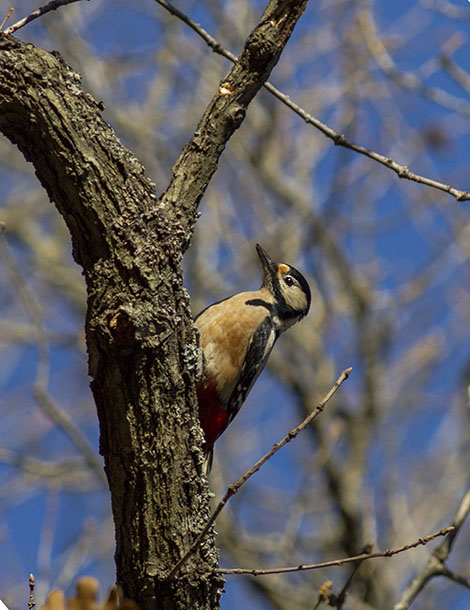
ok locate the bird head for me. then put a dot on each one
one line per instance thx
(288, 287)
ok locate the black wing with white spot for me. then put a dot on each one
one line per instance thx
(257, 355)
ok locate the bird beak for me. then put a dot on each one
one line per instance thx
(269, 266)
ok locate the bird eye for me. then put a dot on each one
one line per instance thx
(289, 281)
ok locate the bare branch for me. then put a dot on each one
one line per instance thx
(407, 80)
(443, 551)
(227, 109)
(457, 578)
(8, 15)
(341, 598)
(447, 8)
(232, 489)
(42, 10)
(453, 70)
(339, 562)
(435, 565)
(402, 171)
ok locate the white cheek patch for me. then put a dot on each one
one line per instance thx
(297, 300)
(294, 297)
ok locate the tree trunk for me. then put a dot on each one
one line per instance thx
(143, 356)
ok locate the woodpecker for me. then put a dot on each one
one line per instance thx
(237, 336)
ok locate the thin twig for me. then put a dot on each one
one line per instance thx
(341, 598)
(402, 171)
(338, 562)
(232, 489)
(457, 578)
(8, 15)
(31, 602)
(444, 549)
(435, 565)
(42, 10)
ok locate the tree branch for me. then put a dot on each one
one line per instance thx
(402, 171)
(435, 565)
(226, 111)
(338, 562)
(233, 489)
(42, 10)
(7, 16)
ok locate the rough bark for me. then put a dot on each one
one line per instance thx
(139, 334)
(141, 345)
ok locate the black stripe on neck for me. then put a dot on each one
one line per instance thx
(260, 303)
(282, 310)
